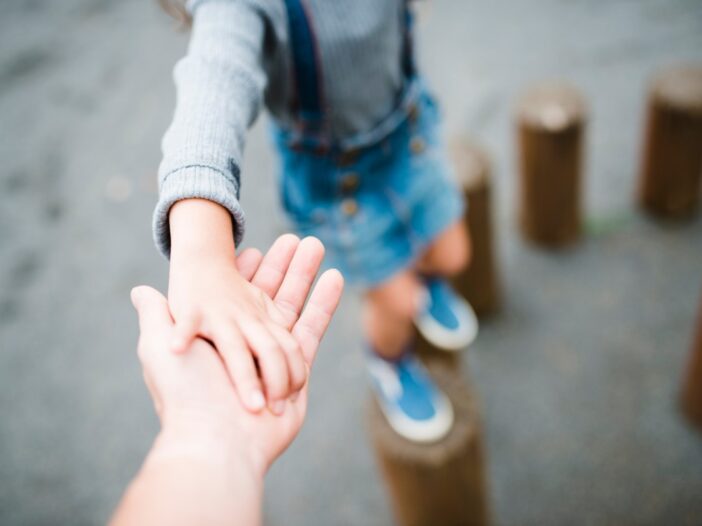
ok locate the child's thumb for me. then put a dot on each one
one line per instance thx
(186, 330)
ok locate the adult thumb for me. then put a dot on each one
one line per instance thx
(152, 310)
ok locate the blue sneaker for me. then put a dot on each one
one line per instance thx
(413, 405)
(447, 320)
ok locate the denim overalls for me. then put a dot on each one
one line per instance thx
(378, 199)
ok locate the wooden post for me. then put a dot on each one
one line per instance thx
(550, 129)
(671, 169)
(480, 283)
(692, 387)
(441, 483)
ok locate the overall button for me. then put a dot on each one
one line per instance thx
(413, 113)
(417, 145)
(348, 157)
(349, 207)
(349, 182)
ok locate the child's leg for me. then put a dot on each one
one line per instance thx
(413, 404)
(447, 321)
(388, 311)
(449, 254)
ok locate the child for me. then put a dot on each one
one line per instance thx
(363, 169)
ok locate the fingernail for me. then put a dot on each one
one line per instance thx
(278, 407)
(257, 400)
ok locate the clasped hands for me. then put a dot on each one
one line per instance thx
(209, 438)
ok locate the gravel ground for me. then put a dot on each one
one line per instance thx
(578, 374)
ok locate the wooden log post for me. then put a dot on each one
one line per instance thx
(691, 399)
(441, 483)
(480, 283)
(671, 168)
(550, 131)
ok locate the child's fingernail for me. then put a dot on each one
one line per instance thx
(257, 400)
(278, 406)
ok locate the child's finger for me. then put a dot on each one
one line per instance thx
(275, 264)
(298, 280)
(293, 354)
(242, 370)
(272, 363)
(186, 330)
(247, 262)
(316, 316)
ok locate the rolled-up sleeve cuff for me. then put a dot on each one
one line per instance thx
(191, 182)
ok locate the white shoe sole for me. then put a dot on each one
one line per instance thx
(447, 339)
(386, 382)
(422, 432)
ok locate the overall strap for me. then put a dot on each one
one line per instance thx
(408, 65)
(308, 95)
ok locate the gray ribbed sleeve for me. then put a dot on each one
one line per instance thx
(219, 85)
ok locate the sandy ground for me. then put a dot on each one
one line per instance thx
(578, 375)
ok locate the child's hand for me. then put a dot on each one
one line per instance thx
(209, 297)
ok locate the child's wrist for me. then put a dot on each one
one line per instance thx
(201, 229)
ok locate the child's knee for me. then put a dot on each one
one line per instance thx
(451, 254)
(455, 259)
(396, 298)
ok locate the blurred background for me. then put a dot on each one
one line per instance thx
(578, 374)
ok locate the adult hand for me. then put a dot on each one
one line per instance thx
(208, 462)
(193, 393)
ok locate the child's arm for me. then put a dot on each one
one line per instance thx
(209, 297)
(198, 218)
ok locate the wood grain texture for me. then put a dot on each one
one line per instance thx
(480, 283)
(671, 166)
(692, 386)
(550, 132)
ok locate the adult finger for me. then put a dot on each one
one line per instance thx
(272, 269)
(316, 316)
(298, 280)
(248, 261)
(297, 369)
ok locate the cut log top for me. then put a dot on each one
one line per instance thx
(552, 106)
(471, 162)
(680, 88)
(436, 454)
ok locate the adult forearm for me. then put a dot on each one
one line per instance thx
(184, 481)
